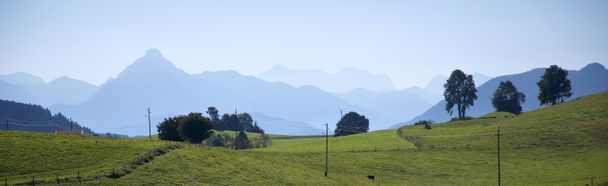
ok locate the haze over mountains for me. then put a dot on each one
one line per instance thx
(23, 87)
(342, 81)
(591, 79)
(153, 82)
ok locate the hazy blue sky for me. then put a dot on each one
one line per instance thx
(411, 41)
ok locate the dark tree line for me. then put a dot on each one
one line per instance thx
(32, 117)
(234, 122)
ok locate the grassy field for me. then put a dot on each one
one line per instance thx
(558, 145)
(47, 155)
(379, 140)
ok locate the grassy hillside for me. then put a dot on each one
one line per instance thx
(557, 145)
(379, 140)
(47, 155)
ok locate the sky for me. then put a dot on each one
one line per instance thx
(410, 41)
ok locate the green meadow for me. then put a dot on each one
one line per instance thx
(565, 144)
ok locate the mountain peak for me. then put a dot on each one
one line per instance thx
(22, 78)
(151, 63)
(153, 52)
(593, 67)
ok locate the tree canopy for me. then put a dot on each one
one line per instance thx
(459, 91)
(507, 99)
(554, 86)
(351, 123)
(193, 128)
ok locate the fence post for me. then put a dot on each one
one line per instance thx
(78, 176)
(375, 149)
(57, 178)
(592, 180)
(33, 180)
(5, 181)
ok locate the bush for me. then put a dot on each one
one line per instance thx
(424, 122)
(243, 141)
(220, 140)
(262, 141)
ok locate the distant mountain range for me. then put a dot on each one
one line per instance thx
(28, 88)
(154, 82)
(342, 81)
(591, 79)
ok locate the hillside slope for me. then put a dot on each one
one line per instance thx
(591, 79)
(563, 144)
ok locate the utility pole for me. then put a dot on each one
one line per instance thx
(236, 141)
(149, 126)
(498, 134)
(326, 146)
(341, 115)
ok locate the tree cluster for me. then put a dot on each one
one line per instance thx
(234, 122)
(193, 128)
(351, 123)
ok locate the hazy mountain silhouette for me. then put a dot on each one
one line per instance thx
(591, 79)
(31, 89)
(152, 81)
(21, 78)
(341, 82)
(396, 105)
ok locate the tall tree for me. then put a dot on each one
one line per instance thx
(245, 120)
(554, 86)
(459, 91)
(214, 114)
(351, 123)
(507, 99)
